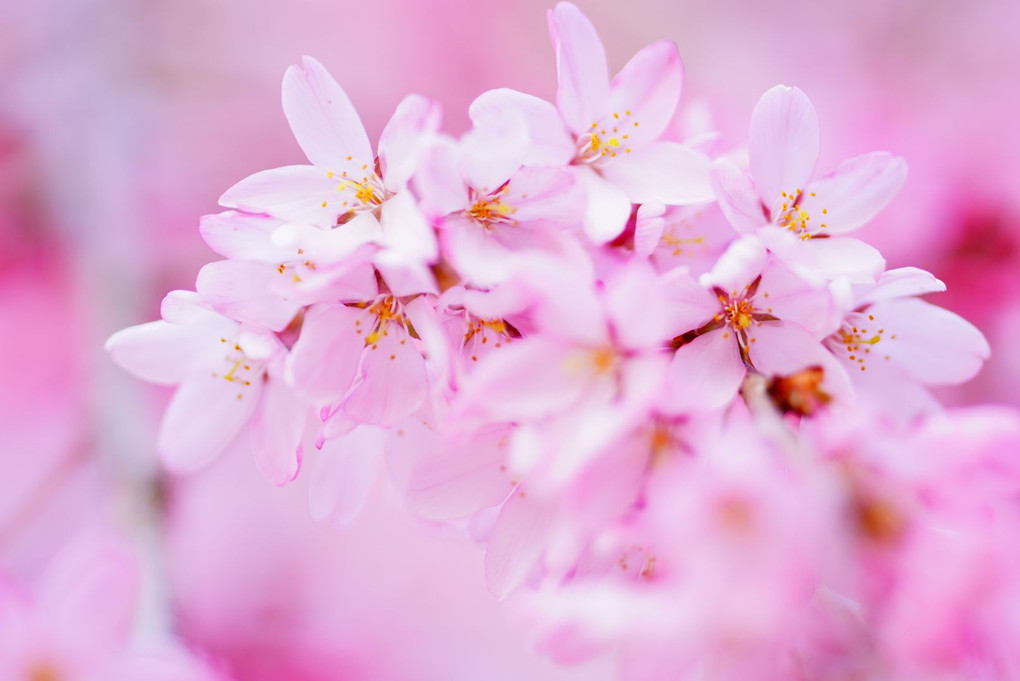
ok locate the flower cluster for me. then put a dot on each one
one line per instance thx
(677, 401)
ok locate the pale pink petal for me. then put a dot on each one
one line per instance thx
(825, 259)
(493, 150)
(691, 304)
(476, 254)
(405, 276)
(737, 197)
(647, 325)
(324, 361)
(306, 244)
(648, 87)
(258, 343)
(782, 348)
(516, 544)
(693, 237)
(784, 141)
(342, 474)
(406, 233)
(738, 266)
(705, 374)
(295, 193)
(527, 379)
(648, 228)
(854, 192)
(546, 197)
(243, 291)
(900, 283)
(89, 595)
(783, 294)
(322, 117)
(204, 416)
(457, 475)
(350, 281)
(404, 139)
(665, 172)
(550, 142)
(241, 236)
(563, 301)
(934, 345)
(186, 307)
(607, 207)
(439, 183)
(581, 69)
(889, 389)
(276, 432)
(395, 382)
(159, 352)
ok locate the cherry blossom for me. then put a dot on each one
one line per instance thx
(797, 214)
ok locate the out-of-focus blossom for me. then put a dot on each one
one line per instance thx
(76, 623)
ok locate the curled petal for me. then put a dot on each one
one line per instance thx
(902, 282)
(276, 432)
(607, 207)
(738, 266)
(738, 197)
(405, 138)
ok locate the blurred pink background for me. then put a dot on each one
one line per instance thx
(121, 122)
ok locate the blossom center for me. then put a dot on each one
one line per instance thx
(795, 218)
(43, 671)
(739, 314)
(480, 332)
(605, 139)
(491, 210)
(387, 312)
(239, 368)
(857, 341)
(358, 195)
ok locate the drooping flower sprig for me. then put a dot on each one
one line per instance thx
(686, 412)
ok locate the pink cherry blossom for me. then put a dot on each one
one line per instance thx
(228, 378)
(799, 215)
(609, 131)
(344, 178)
(750, 311)
(892, 342)
(488, 207)
(362, 355)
